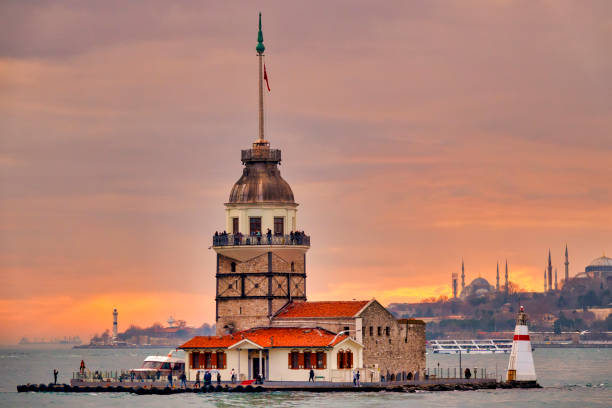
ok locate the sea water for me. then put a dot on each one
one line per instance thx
(570, 378)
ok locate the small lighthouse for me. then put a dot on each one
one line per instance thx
(115, 314)
(520, 366)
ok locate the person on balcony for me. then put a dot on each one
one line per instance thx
(292, 237)
(269, 236)
(258, 235)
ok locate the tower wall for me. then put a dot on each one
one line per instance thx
(251, 291)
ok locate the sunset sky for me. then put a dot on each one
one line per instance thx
(413, 134)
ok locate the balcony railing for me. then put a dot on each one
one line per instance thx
(253, 240)
(261, 155)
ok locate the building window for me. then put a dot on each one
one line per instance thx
(256, 285)
(235, 227)
(345, 359)
(294, 360)
(308, 359)
(279, 225)
(221, 360)
(292, 267)
(229, 286)
(346, 329)
(254, 225)
(371, 330)
(387, 331)
(379, 330)
(207, 360)
(321, 360)
(195, 360)
(233, 266)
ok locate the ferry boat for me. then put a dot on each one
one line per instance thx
(159, 367)
(492, 346)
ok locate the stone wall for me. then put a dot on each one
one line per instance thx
(402, 350)
(241, 308)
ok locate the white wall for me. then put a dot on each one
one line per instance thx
(267, 214)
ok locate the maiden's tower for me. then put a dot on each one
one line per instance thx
(261, 259)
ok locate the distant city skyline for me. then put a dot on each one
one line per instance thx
(413, 134)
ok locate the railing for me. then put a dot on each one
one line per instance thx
(265, 154)
(253, 240)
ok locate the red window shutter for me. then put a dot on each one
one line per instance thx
(224, 361)
(349, 358)
(324, 360)
(301, 360)
(313, 360)
(289, 364)
(195, 360)
(214, 360)
(339, 355)
(344, 360)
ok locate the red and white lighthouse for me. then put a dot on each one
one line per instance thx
(520, 366)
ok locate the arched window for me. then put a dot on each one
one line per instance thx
(292, 267)
(233, 266)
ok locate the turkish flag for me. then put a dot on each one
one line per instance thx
(266, 78)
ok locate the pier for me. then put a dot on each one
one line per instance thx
(161, 388)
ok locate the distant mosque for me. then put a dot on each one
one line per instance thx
(479, 287)
(599, 269)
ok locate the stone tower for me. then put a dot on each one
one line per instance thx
(261, 260)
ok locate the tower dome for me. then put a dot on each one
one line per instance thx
(261, 181)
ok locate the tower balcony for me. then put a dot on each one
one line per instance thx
(237, 240)
(263, 154)
(244, 247)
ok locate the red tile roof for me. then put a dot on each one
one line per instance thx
(269, 337)
(322, 309)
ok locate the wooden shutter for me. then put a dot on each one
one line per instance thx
(349, 358)
(213, 360)
(301, 360)
(224, 360)
(340, 354)
(344, 360)
(195, 360)
(324, 360)
(313, 360)
(289, 364)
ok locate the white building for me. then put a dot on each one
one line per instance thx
(280, 354)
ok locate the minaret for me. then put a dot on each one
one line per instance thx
(556, 287)
(261, 260)
(545, 287)
(507, 287)
(497, 286)
(549, 272)
(462, 275)
(566, 266)
(454, 283)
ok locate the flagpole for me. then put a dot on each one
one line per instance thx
(260, 49)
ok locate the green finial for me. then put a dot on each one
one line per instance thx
(260, 46)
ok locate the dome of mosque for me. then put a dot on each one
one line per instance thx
(602, 261)
(479, 287)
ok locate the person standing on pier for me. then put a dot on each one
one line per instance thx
(197, 382)
(311, 376)
(170, 379)
(183, 380)
(55, 373)
(357, 377)
(233, 376)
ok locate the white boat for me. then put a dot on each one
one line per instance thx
(160, 367)
(493, 346)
